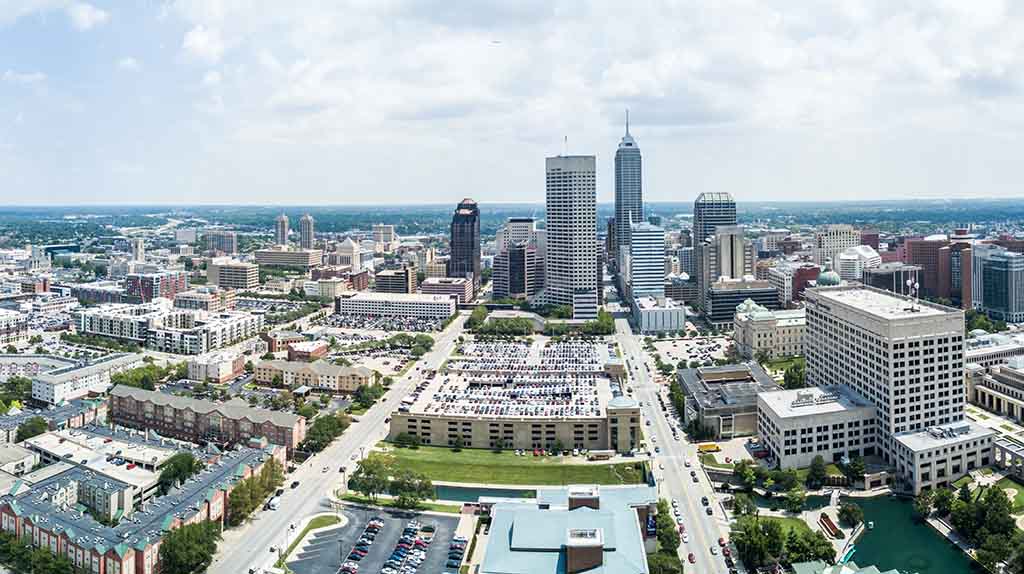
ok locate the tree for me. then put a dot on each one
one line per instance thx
(189, 549)
(745, 471)
(663, 563)
(850, 514)
(17, 388)
(407, 440)
(798, 548)
(668, 538)
(795, 499)
(34, 426)
(371, 476)
(943, 501)
(12, 350)
(477, 318)
(750, 541)
(249, 367)
(854, 470)
(994, 549)
(743, 504)
(178, 469)
(410, 488)
(459, 444)
(817, 473)
(762, 356)
(923, 504)
(795, 376)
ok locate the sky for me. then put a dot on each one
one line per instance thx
(430, 101)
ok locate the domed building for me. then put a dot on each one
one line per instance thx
(828, 277)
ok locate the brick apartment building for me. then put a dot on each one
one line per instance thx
(197, 420)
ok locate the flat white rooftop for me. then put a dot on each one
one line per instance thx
(405, 297)
(813, 401)
(944, 435)
(881, 304)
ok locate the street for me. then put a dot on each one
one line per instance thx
(248, 546)
(674, 481)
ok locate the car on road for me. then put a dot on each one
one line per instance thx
(692, 558)
(295, 484)
(693, 473)
(721, 541)
(709, 511)
(686, 538)
(687, 463)
(675, 502)
(704, 500)
(714, 551)
(695, 479)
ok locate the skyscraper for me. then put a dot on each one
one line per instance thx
(281, 230)
(222, 241)
(306, 231)
(728, 254)
(571, 269)
(629, 203)
(465, 242)
(138, 249)
(832, 240)
(710, 210)
(647, 261)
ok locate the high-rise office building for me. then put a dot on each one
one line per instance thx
(306, 225)
(1002, 283)
(396, 280)
(711, 210)
(571, 264)
(903, 355)
(138, 249)
(832, 240)
(222, 241)
(281, 230)
(517, 272)
(519, 230)
(629, 203)
(464, 241)
(727, 255)
(646, 261)
(853, 261)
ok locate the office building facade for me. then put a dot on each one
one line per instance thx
(832, 240)
(306, 231)
(629, 202)
(710, 211)
(571, 264)
(281, 230)
(646, 261)
(464, 238)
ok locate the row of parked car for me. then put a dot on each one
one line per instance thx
(410, 551)
(362, 546)
(456, 552)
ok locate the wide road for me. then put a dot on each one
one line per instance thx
(674, 479)
(249, 546)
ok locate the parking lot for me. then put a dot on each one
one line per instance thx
(323, 553)
(389, 324)
(703, 349)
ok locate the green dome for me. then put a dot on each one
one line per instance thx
(829, 279)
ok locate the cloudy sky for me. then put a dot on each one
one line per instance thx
(428, 101)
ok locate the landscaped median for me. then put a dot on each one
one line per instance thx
(387, 502)
(480, 466)
(317, 522)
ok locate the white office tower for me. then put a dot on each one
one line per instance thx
(306, 225)
(906, 357)
(710, 211)
(571, 269)
(832, 240)
(138, 249)
(854, 260)
(281, 230)
(647, 261)
(629, 201)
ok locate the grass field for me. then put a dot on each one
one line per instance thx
(486, 466)
(318, 522)
(390, 503)
(788, 523)
(710, 461)
(962, 481)
(783, 364)
(830, 470)
(1018, 498)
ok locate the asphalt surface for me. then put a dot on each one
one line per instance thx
(323, 554)
(248, 546)
(674, 480)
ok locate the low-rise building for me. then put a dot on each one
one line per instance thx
(831, 422)
(16, 460)
(396, 281)
(937, 456)
(144, 287)
(776, 333)
(319, 375)
(658, 315)
(458, 287)
(364, 303)
(73, 414)
(284, 256)
(195, 420)
(572, 529)
(724, 399)
(278, 341)
(98, 292)
(229, 273)
(63, 384)
(217, 367)
(307, 350)
(724, 296)
(13, 327)
(209, 298)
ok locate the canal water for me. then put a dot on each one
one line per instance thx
(901, 542)
(471, 493)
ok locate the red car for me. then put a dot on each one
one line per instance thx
(692, 558)
(726, 552)
(721, 541)
(682, 529)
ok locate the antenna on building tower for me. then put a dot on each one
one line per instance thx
(565, 145)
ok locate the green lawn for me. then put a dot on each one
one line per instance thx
(709, 460)
(318, 522)
(1018, 499)
(788, 523)
(486, 466)
(354, 410)
(390, 503)
(985, 471)
(962, 481)
(783, 364)
(830, 470)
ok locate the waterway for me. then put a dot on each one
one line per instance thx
(472, 493)
(908, 545)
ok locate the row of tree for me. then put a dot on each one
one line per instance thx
(665, 560)
(251, 492)
(177, 470)
(760, 542)
(323, 431)
(148, 375)
(379, 474)
(20, 556)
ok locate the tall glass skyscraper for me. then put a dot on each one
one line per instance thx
(465, 242)
(629, 201)
(711, 210)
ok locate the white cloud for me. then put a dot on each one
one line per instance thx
(129, 64)
(204, 43)
(211, 78)
(86, 16)
(24, 78)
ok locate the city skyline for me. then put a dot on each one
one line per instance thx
(204, 102)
